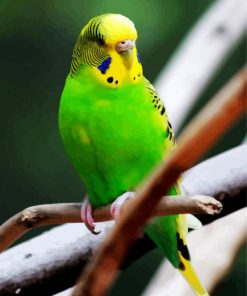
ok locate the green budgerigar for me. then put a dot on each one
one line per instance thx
(115, 130)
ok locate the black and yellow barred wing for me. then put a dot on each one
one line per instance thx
(159, 106)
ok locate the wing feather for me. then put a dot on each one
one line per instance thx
(161, 110)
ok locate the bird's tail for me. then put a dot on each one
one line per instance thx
(188, 272)
(185, 266)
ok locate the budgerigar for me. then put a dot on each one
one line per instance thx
(115, 130)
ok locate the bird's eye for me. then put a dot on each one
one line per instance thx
(100, 41)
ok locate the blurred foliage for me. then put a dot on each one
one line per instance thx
(36, 41)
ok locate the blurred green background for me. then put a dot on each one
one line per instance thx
(36, 41)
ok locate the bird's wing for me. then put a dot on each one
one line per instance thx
(159, 106)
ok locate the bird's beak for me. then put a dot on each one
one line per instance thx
(125, 45)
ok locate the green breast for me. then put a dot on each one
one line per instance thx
(114, 137)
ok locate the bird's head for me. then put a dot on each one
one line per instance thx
(107, 44)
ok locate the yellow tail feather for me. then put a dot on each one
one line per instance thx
(189, 274)
(186, 267)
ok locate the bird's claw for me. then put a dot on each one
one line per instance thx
(87, 217)
(118, 203)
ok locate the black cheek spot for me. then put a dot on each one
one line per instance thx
(102, 71)
(110, 79)
(116, 82)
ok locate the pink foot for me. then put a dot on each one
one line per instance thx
(86, 216)
(118, 203)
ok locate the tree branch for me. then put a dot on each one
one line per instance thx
(167, 279)
(224, 109)
(42, 215)
(35, 270)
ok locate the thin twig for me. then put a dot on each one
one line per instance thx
(42, 215)
(196, 139)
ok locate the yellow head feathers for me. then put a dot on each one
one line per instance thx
(107, 45)
(109, 29)
(116, 27)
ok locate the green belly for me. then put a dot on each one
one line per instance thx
(113, 139)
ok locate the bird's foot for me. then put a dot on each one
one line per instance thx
(87, 217)
(118, 203)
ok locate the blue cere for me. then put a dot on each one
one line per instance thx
(138, 57)
(105, 65)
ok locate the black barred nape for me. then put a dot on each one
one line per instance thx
(89, 48)
(76, 56)
(92, 31)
